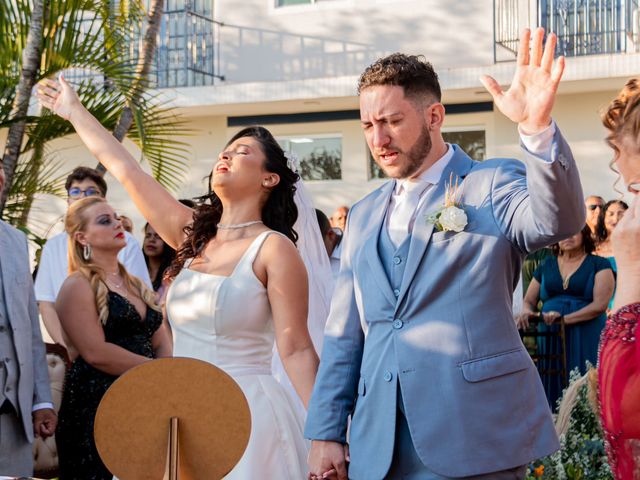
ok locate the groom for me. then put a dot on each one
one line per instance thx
(420, 346)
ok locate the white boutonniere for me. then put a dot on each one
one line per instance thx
(451, 217)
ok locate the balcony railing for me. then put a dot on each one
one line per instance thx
(188, 46)
(187, 49)
(584, 27)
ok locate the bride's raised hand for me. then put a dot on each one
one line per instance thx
(58, 96)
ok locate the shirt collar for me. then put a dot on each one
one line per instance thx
(433, 174)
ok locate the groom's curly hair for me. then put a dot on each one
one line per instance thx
(411, 72)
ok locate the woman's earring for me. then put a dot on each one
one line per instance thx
(86, 252)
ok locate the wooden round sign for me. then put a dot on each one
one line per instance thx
(132, 424)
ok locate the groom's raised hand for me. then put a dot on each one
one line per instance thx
(328, 460)
(529, 100)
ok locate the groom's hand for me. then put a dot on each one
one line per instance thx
(328, 460)
(529, 100)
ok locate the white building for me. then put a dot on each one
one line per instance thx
(293, 65)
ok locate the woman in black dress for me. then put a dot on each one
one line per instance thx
(111, 319)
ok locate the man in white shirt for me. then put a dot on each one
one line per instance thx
(54, 262)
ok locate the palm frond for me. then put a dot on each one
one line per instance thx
(155, 131)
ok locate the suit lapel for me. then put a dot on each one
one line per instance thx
(459, 165)
(378, 210)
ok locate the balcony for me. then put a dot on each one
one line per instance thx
(187, 48)
(584, 27)
(187, 54)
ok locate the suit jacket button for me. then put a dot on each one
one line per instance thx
(388, 376)
(396, 293)
(397, 260)
(397, 324)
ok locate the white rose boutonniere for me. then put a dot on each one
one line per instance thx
(451, 217)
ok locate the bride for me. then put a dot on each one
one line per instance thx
(239, 281)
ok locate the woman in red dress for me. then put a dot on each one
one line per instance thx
(619, 363)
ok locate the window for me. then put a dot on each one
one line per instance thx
(471, 141)
(320, 156)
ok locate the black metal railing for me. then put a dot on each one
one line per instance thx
(188, 46)
(584, 27)
(187, 49)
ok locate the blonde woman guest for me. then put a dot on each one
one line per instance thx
(113, 322)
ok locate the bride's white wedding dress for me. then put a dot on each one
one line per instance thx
(227, 321)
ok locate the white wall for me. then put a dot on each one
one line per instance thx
(260, 42)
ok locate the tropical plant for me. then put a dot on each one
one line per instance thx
(95, 42)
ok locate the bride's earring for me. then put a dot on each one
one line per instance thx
(86, 252)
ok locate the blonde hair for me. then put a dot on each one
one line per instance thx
(76, 221)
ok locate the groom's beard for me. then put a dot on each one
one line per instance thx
(415, 156)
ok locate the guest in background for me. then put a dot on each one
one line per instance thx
(54, 264)
(113, 321)
(158, 256)
(609, 217)
(26, 408)
(576, 285)
(127, 224)
(593, 204)
(339, 217)
(332, 237)
(619, 367)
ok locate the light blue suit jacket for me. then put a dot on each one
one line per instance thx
(472, 396)
(33, 376)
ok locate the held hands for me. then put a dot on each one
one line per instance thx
(328, 460)
(58, 96)
(529, 100)
(45, 421)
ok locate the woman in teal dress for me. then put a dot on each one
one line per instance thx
(575, 285)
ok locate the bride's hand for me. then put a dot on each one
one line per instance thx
(58, 96)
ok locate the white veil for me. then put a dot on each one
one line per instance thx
(314, 254)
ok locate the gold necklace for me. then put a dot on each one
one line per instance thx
(567, 279)
(118, 286)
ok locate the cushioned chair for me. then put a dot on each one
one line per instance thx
(44, 451)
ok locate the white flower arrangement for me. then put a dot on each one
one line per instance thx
(451, 217)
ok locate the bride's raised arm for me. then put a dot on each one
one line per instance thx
(159, 208)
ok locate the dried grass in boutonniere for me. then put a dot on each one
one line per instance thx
(451, 217)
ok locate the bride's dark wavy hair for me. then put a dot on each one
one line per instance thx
(279, 212)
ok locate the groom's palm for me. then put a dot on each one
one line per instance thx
(530, 97)
(529, 100)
